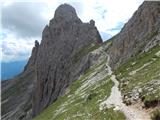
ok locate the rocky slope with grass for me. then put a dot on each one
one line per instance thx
(134, 57)
(139, 34)
(16, 96)
(83, 97)
(72, 75)
(59, 60)
(140, 80)
(102, 94)
(54, 64)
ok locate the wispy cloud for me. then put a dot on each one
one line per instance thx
(23, 19)
(23, 22)
(15, 49)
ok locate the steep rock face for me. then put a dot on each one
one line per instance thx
(17, 92)
(56, 67)
(32, 59)
(139, 34)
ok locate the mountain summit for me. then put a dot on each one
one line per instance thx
(65, 12)
(56, 63)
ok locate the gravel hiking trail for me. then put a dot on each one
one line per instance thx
(115, 100)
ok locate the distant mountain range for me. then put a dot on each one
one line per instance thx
(11, 69)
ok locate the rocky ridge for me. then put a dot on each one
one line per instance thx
(54, 64)
(138, 35)
(58, 63)
(17, 96)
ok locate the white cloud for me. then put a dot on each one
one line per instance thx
(106, 13)
(16, 49)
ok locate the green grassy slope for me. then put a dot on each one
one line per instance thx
(141, 75)
(82, 99)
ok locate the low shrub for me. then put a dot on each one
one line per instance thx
(155, 114)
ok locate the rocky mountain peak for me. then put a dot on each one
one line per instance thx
(36, 43)
(65, 12)
(57, 63)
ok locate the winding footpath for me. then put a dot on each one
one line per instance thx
(115, 100)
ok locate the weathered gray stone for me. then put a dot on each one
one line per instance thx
(17, 92)
(17, 97)
(92, 22)
(138, 35)
(32, 59)
(62, 40)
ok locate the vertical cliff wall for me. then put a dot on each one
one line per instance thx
(140, 33)
(57, 62)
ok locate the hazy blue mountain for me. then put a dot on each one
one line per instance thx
(105, 36)
(11, 69)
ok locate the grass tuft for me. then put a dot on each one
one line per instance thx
(155, 115)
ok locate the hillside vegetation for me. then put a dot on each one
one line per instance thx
(140, 78)
(83, 97)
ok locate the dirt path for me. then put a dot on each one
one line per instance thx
(115, 100)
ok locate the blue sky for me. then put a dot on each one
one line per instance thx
(22, 22)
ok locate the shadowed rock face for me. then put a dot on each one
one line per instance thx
(55, 66)
(138, 34)
(51, 67)
(32, 59)
(17, 92)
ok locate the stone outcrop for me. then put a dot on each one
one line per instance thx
(52, 67)
(56, 68)
(32, 59)
(17, 92)
(139, 34)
